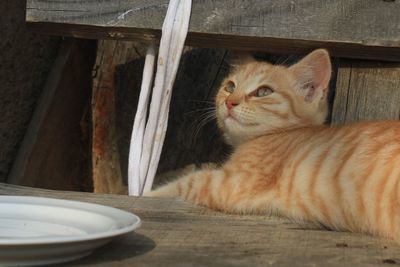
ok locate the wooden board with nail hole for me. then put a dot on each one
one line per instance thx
(348, 28)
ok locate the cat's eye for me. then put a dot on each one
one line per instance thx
(263, 91)
(230, 87)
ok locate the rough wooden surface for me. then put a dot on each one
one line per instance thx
(106, 169)
(348, 28)
(367, 90)
(176, 233)
(54, 151)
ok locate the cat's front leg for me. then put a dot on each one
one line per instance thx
(187, 186)
(168, 190)
(207, 187)
(219, 189)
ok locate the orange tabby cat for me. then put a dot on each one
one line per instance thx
(287, 162)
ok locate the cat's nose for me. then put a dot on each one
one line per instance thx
(230, 103)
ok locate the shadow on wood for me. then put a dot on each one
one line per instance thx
(54, 153)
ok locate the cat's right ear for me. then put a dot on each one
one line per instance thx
(237, 58)
(313, 73)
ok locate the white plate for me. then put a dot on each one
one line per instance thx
(39, 231)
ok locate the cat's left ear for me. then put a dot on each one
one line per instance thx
(313, 73)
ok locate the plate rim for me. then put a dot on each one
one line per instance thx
(136, 223)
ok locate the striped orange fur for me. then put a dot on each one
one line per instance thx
(287, 162)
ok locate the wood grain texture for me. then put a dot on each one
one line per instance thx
(106, 169)
(348, 28)
(54, 151)
(176, 233)
(367, 90)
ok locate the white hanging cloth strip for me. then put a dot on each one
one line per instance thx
(147, 142)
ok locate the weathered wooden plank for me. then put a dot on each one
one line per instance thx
(348, 28)
(53, 153)
(106, 168)
(367, 91)
(176, 233)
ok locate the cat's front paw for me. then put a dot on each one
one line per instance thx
(168, 190)
(153, 193)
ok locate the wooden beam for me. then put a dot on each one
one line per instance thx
(366, 90)
(348, 28)
(106, 165)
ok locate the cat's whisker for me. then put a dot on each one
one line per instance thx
(205, 112)
(204, 120)
(282, 62)
(202, 101)
(200, 110)
(287, 57)
(197, 124)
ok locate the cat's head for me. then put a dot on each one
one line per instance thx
(258, 98)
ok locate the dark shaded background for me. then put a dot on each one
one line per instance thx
(25, 60)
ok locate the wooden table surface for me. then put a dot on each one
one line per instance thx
(176, 233)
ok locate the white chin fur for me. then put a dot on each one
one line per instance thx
(235, 132)
(230, 123)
